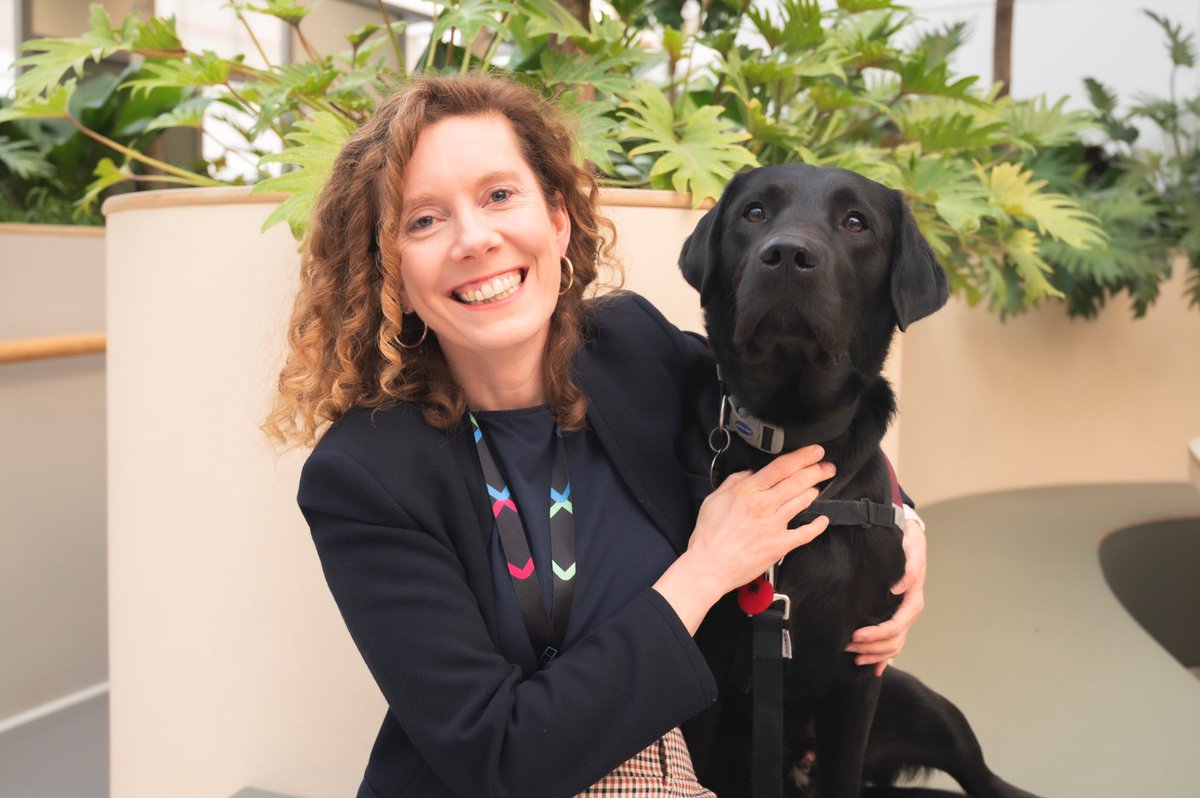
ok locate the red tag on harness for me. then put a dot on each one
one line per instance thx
(755, 596)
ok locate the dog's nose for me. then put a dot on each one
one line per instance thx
(787, 251)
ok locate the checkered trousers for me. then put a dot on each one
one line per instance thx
(664, 770)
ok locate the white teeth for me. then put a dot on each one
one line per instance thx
(492, 291)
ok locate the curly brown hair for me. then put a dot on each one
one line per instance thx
(347, 320)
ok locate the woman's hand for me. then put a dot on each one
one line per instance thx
(878, 645)
(742, 530)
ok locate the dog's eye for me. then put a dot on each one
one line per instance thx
(754, 213)
(855, 222)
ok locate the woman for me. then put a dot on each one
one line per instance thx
(441, 326)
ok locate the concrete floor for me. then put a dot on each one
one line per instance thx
(1023, 633)
(61, 756)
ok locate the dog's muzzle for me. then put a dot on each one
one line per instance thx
(789, 251)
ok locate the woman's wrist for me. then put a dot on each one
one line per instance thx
(690, 588)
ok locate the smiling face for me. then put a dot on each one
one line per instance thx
(479, 248)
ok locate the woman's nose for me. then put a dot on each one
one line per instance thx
(476, 234)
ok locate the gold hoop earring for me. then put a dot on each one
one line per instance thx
(409, 347)
(570, 274)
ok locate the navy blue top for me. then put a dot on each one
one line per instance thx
(618, 550)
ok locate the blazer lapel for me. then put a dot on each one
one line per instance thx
(653, 475)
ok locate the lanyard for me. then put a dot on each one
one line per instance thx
(545, 635)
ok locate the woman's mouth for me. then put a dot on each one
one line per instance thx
(494, 289)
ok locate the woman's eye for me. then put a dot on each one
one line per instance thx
(422, 222)
(855, 223)
(755, 213)
(501, 194)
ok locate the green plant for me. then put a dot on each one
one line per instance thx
(279, 98)
(46, 165)
(1148, 201)
(827, 86)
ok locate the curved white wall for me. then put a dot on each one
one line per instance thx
(52, 481)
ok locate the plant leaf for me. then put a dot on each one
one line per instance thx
(605, 75)
(1035, 124)
(950, 187)
(1021, 247)
(920, 75)
(1101, 96)
(189, 113)
(939, 44)
(701, 158)
(1016, 193)
(802, 30)
(53, 106)
(948, 132)
(362, 34)
(156, 35)
(1181, 48)
(205, 69)
(1134, 250)
(315, 144)
(597, 130)
(50, 59)
(469, 17)
(289, 11)
(549, 18)
(22, 159)
(107, 175)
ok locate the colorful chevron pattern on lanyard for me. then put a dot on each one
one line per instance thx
(546, 632)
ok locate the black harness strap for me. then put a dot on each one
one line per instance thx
(862, 512)
(766, 771)
(771, 640)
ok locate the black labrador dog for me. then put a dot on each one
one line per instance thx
(804, 273)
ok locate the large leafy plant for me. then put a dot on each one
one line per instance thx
(1148, 199)
(666, 104)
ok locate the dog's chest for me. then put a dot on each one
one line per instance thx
(844, 576)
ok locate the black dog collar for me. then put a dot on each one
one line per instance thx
(773, 439)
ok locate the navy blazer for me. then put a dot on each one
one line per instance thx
(401, 523)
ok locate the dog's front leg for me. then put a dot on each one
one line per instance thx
(843, 725)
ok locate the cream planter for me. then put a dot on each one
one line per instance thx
(1042, 399)
(229, 663)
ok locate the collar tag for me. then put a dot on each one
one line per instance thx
(759, 434)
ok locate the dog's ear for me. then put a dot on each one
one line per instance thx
(698, 258)
(918, 282)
